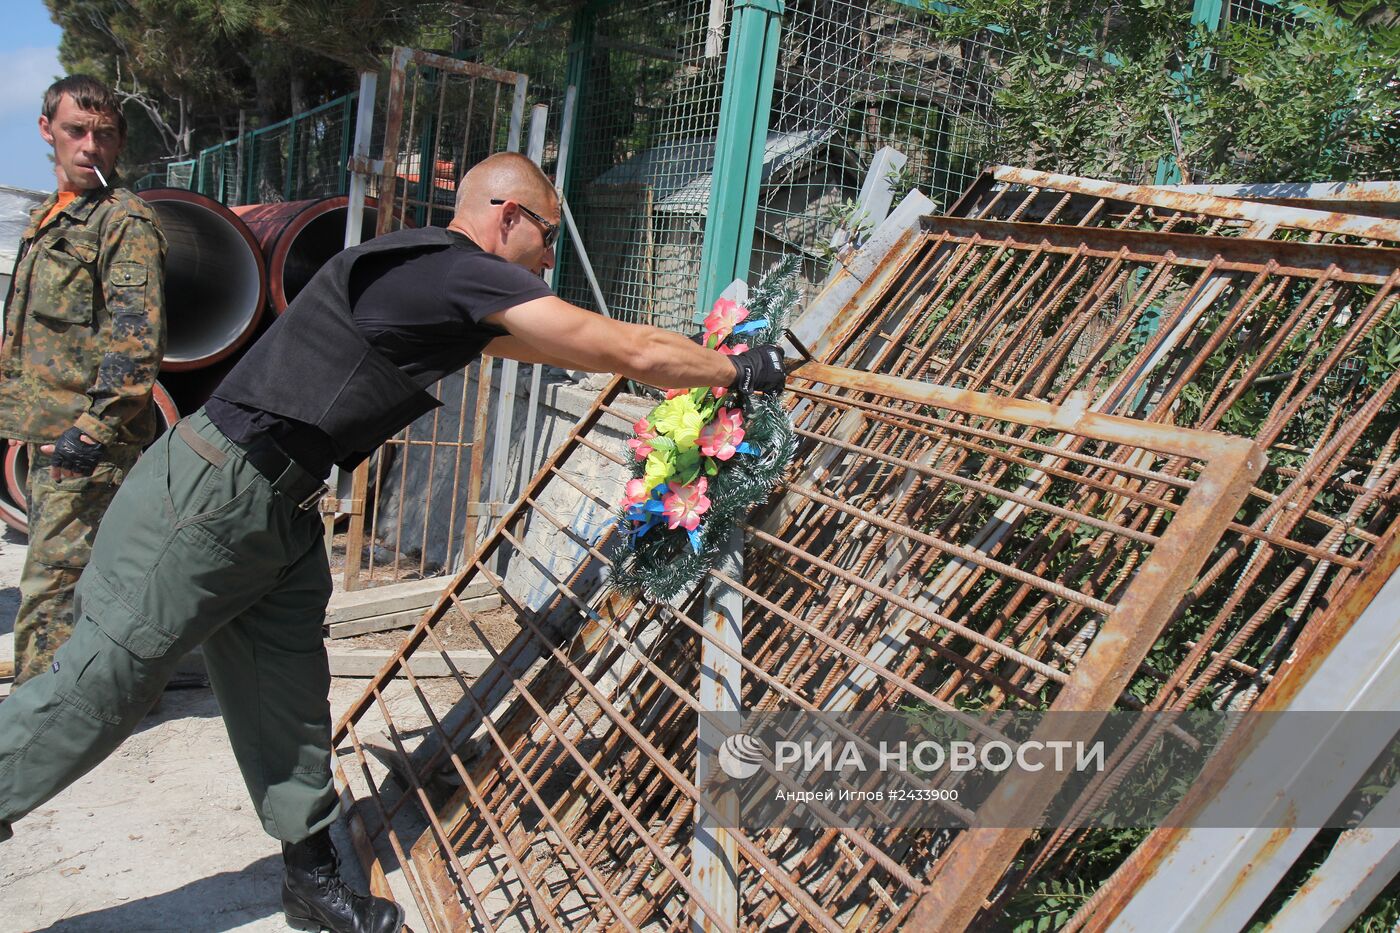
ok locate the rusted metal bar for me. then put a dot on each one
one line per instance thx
(978, 858)
(1370, 228)
(1368, 265)
(1337, 652)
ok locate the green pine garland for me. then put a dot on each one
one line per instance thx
(662, 563)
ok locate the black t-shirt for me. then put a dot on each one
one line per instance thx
(428, 309)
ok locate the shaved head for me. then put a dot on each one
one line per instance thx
(509, 208)
(507, 176)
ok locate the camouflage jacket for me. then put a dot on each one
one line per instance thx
(85, 322)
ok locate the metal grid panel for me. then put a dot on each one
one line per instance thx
(320, 146)
(296, 159)
(444, 116)
(643, 152)
(270, 168)
(855, 76)
(1280, 341)
(217, 173)
(1277, 339)
(1264, 14)
(301, 157)
(571, 804)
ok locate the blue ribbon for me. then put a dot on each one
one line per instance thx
(644, 511)
(640, 530)
(694, 540)
(747, 326)
(751, 449)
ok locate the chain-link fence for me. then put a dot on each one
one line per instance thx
(301, 157)
(650, 78)
(854, 77)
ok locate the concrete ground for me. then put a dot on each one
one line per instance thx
(159, 837)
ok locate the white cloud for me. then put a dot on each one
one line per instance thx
(24, 76)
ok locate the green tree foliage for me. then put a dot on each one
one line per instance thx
(1109, 89)
(187, 68)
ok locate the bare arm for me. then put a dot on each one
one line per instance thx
(513, 348)
(550, 330)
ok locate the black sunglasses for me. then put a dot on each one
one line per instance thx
(551, 231)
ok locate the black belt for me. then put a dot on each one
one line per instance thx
(287, 476)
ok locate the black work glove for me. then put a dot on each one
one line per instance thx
(72, 453)
(758, 369)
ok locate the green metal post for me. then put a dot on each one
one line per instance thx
(427, 154)
(575, 76)
(749, 70)
(251, 189)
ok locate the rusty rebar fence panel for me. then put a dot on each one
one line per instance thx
(556, 791)
(1006, 192)
(1287, 342)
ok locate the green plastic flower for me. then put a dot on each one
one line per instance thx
(658, 468)
(679, 419)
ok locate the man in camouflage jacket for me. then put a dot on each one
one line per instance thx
(84, 335)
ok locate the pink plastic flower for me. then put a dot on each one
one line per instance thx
(721, 437)
(723, 318)
(672, 393)
(635, 492)
(684, 505)
(640, 448)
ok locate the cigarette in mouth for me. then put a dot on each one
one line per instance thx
(99, 176)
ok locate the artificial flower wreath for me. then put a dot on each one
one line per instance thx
(704, 457)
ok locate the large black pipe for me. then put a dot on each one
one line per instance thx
(299, 237)
(215, 278)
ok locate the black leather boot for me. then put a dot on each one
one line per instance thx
(315, 898)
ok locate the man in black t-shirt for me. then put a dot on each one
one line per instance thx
(214, 538)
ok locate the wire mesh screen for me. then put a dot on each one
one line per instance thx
(651, 83)
(1264, 14)
(854, 77)
(320, 146)
(180, 174)
(295, 159)
(270, 168)
(566, 797)
(218, 173)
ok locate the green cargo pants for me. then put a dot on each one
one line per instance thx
(63, 518)
(190, 553)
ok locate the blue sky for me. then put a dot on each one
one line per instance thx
(28, 65)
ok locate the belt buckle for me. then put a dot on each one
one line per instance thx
(310, 501)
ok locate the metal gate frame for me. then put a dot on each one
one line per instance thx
(396, 202)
